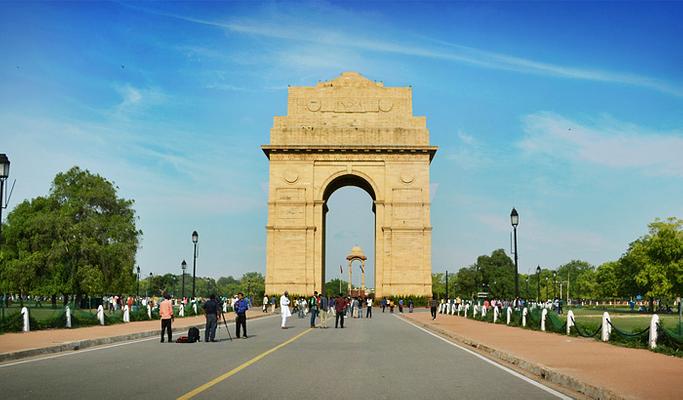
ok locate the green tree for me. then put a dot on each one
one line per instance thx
(57, 242)
(253, 284)
(606, 281)
(332, 287)
(466, 282)
(438, 285)
(581, 277)
(497, 274)
(655, 261)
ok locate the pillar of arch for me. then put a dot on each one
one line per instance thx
(349, 131)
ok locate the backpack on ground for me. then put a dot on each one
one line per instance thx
(193, 335)
(182, 339)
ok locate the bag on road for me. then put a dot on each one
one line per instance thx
(193, 335)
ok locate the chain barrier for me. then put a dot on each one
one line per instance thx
(672, 340)
(578, 330)
(626, 334)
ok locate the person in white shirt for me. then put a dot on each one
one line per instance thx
(265, 303)
(284, 309)
(368, 302)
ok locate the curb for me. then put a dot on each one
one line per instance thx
(84, 344)
(537, 370)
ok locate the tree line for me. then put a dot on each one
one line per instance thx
(651, 267)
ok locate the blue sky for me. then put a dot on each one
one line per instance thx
(571, 112)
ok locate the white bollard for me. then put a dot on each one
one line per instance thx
(495, 314)
(483, 311)
(459, 309)
(467, 308)
(544, 313)
(475, 310)
(525, 311)
(181, 312)
(225, 306)
(26, 327)
(570, 321)
(67, 311)
(126, 313)
(194, 308)
(509, 314)
(653, 331)
(100, 314)
(606, 327)
(149, 311)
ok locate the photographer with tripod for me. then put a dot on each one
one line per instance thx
(211, 309)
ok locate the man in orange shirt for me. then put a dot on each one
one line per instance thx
(166, 314)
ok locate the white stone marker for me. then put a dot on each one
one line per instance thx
(126, 313)
(525, 311)
(544, 313)
(67, 311)
(194, 307)
(24, 313)
(181, 312)
(100, 314)
(509, 314)
(495, 314)
(570, 321)
(149, 311)
(606, 327)
(653, 331)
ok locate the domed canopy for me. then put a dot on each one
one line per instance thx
(356, 254)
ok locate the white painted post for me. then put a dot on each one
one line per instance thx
(509, 314)
(459, 309)
(181, 312)
(606, 327)
(24, 313)
(653, 331)
(525, 311)
(570, 321)
(194, 307)
(483, 311)
(225, 306)
(475, 310)
(67, 311)
(149, 311)
(544, 313)
(126, 313)
(467, 308)
(495, 314)
(100, 314)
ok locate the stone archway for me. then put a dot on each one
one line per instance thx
(349, 131)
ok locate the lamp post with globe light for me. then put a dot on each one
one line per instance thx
(514, 220)
(195, 239)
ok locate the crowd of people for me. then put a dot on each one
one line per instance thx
(320, 307)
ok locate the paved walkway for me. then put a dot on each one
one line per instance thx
(16, 342)
(628, 373)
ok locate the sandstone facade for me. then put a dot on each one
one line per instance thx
(349, 131)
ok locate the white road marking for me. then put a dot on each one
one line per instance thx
(96, 348)
(506, 369)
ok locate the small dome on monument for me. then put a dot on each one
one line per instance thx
(356, 252)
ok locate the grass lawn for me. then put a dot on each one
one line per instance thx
(621, 318)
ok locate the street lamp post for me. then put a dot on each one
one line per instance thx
(554, 284)
(547, 290)
(137, 292)
(149, 285)
(527, 288)
(183, 266)
(447, 284)
(4, 174)
(538, 282)
(514, 220)
(195, 239)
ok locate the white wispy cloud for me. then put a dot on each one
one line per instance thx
(605, 142)
(292, 28)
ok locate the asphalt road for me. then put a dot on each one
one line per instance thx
(380, 358)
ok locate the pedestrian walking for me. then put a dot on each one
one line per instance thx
(313, 306)
(211, 310)
(400, 305)
(361, 307)
(368, 302)
(433, 303)
(241, 307)
(324, 307)
(166, 314)
(383, 303)
(265, 303)
(339, 306)
(411, 305)
(284, 309)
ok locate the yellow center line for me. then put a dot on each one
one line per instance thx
(232, 372)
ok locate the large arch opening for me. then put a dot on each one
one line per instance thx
(348, 220)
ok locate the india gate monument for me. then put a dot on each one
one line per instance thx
(349, 131)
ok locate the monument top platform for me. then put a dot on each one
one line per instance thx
(331, 112)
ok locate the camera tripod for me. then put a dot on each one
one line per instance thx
(226, 325)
